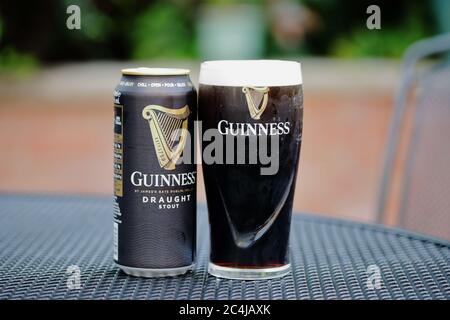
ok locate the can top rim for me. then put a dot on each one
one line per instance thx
(144, 71)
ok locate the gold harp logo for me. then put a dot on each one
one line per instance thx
(164, 123)
(257, 98)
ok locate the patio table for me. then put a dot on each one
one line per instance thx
(47, 240)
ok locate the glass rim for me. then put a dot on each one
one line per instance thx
(239, 73)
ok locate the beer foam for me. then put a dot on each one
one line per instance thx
(238, 73)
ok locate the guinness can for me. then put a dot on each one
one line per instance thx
(154, 172)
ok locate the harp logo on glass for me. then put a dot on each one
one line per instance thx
(257, 99)
(261, 95)
(164, 127)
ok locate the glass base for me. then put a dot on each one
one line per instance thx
(248, 274)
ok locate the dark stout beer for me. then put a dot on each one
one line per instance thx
(155, 194)
(250, 213)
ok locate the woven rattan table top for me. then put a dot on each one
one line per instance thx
(45, 240)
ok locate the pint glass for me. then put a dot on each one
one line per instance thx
(256, 108)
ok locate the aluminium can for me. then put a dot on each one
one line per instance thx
(154, 227)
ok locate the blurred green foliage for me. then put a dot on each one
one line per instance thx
(17, 64)
(96, 24)
(13, 62)
(162, 30)
(35, 31)
(92, 40)
(388, 42)
(342, 30)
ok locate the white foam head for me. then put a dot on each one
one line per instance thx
(238, 73)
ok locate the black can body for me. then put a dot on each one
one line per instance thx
(155, 193)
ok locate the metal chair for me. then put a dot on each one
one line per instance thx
(420, 126)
